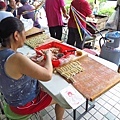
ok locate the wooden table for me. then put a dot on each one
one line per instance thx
(94, 81)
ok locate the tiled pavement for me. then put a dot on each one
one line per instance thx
(107, 106)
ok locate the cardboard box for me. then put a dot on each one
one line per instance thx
(99, 22)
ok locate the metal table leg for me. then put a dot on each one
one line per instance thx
(86, 110)
(74, 114)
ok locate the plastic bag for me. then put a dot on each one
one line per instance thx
(28, 23)
(113, 20)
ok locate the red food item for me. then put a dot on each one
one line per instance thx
(59, 50)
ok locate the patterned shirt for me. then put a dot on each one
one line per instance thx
(16, 92)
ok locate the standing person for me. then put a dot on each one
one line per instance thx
(3, 12)
(18, 3)
(73, 35)
(19, 75)
(54, 11)
(27, 11)
(11, 7)
(36, 4)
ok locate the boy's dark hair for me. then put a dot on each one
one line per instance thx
(23, 1)
(2, 5)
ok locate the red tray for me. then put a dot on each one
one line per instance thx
(67, 50)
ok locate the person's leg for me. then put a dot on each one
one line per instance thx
(59, 111)
(79, 42)
(39, 103)
(71, 37)
(58, 31)
(52, 31)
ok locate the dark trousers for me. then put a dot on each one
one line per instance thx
(74, 38)
(56, 32)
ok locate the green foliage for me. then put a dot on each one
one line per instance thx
(107, 11)
(68, 2)
(67, 8)
(92, 1)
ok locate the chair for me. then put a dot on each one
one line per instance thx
(90, 49)
(89, 39)
(13, 116)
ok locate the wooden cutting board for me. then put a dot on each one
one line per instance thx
(33, 31)
(95, 78)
